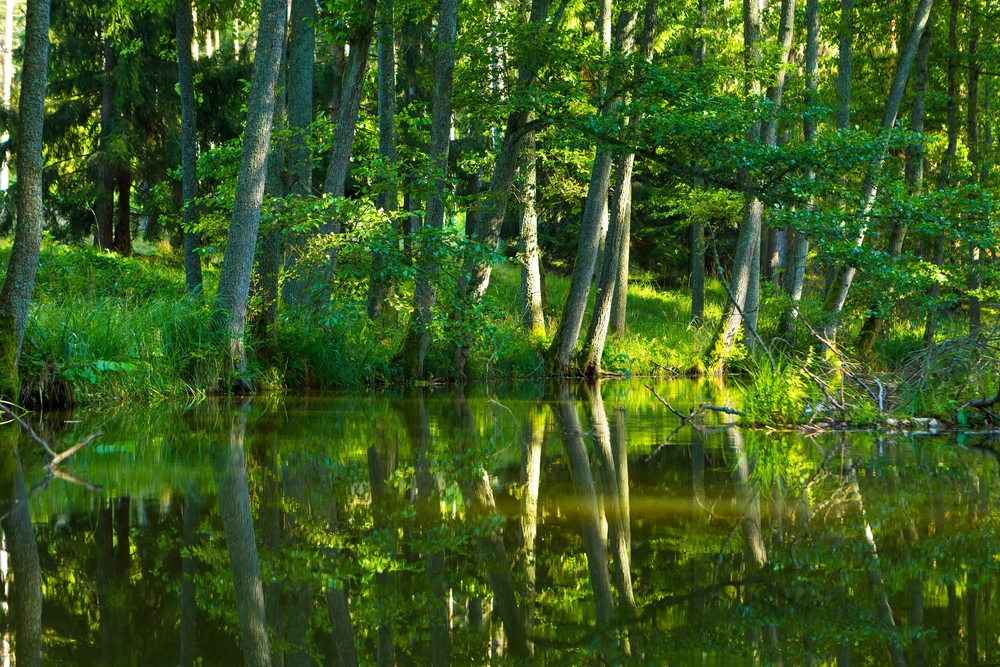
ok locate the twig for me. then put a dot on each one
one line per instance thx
(670, 407)
(59, 458)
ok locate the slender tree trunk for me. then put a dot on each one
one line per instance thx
(300, 74)
(972, 139)
(795, 277)
(874, 324)
(275, 186)
(189, 570)
(19, 281)
(563, 347)
(583, 481)
(619, 303)
(237, 523)
(189, 146)
(944, 177)
(26, 596)
(532, 313)
(5, 87)
(237, 265)
(413, 351)
(698, 226)
(837, 296)
(532, 442)
(104, 205)
(350, 106)
(381, 282)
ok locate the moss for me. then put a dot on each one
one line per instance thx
(10, 381)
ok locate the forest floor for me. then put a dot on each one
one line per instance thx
(106, 329)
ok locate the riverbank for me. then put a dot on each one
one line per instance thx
(107, 329)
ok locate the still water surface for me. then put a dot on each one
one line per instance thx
(522, 524)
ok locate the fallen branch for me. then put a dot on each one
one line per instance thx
(679, 414)
(722, 408)
(54, 458)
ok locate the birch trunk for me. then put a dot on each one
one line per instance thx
(19, 281)
(237, 264)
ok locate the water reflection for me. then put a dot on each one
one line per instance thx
(569, 524)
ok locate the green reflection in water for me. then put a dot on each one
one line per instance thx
(522, 524)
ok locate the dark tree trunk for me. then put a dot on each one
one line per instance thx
(19, 281)
(123, 223)
(237, 265)
(189, 569)
(104, 205)
(189, 146)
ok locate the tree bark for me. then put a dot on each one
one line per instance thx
(237, 523)
(974, 278)
(275, 186)
(619, 303)
(875, 323)
(189, 146)
(583, 481)
(19, 281)
(413, 352)
(237, 264)
(834, 303)
(532, 313)
(381, 283)
(532, 442)
(123, 223)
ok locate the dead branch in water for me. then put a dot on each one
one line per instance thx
(54, 459)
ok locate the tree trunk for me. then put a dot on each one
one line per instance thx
(874, 324)
(413, 351)
(275, 186)
(532, 442)
(189, 570)
(19, 281)
(301, 62)
(972, 140)
(834, 303)
(381, 282)
(189, 146)
(237, 523)
(944, 177)
(564, 343)
(583, 481)
(26, 597)
(237, 265)
(532, 313)
(350, 105)
(104, 205)
(619, 303)
(123, 224)
(8, 76)
(271, 519)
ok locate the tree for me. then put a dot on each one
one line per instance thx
(237, 265)
(189, 146)
(19, 282)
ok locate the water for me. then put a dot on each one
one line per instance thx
(364, 525)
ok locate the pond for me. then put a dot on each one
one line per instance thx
(496, 524)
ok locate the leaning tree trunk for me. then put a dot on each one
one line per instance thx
(837, 296)
(748, 241)
(380, 283)
(237, 265)
(237, 524)
(275, 186)
(19, 282)
(189, 146)
(413, 351)
(875, 323)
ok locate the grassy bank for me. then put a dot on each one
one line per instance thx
(109, 329)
